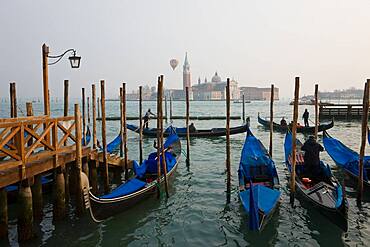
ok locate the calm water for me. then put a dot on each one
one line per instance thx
(196, 212)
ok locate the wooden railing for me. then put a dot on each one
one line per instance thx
(21, 138)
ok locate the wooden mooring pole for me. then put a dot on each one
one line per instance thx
(94, 163)
(36, 188)
(271, 118)
(66, 168)
(228, 155)
(187, 128)
(78, 163)
(141, 124)
(170, 108)
(121, 121)
(158, 142)
(83, 116)
(88, 111)
(243, 113)
(104, 137)
(13, 100)
(365, 116)
(98, 103)
(316, 110)
(125, 150)
(160, 119)
(165, 107)
(294, 137)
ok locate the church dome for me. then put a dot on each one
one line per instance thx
(216, 78)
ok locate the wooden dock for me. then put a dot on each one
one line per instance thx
(341, 112)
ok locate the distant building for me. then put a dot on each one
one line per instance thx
(215, 90)
(256, 93)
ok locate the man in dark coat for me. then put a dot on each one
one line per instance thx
(312, 158)
(305, 117)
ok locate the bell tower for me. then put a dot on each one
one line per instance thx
(186, 74)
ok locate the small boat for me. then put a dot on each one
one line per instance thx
(137, 188)
(258, 182)
(326, 195)
(347, 159)
(181, 132)
(300, 129)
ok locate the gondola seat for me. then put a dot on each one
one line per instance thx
(127, 188)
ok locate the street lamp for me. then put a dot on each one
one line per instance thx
(75, 63)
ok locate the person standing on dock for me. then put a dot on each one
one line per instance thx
(305, 117)
(147, 117)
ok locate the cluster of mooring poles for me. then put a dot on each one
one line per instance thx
(364, 129)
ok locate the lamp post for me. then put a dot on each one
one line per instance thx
(75, 63)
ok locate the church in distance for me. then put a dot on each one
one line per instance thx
(215, 89)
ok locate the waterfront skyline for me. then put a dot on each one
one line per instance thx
(255, 42)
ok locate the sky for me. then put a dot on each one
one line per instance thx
(256, 42)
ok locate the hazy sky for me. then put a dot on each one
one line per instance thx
(257, 42)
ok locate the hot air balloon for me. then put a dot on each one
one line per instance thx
(174, 63)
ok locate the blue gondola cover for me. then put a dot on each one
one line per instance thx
(127, 188)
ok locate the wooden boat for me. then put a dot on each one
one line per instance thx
(181, 132)
(300, 129)
(326, 195)
(347, 159)
(136, 189)
(240, 101)
(258, 182)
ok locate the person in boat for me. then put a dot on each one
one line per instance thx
(192, 128)
(312, 151)
(283, 122)
(147, 117)
(305, 117)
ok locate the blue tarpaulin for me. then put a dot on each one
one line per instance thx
(265, 198)
(127, 188)
(344, 156)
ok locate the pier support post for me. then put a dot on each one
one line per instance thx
(25, 213)
(59, 207)
(228, 155)
(37, 200)
(78, 163)
(3, 214)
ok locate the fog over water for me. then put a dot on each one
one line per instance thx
(256, 42)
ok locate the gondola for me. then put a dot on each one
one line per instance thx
(326, 194)
(258, 182)
(142, 185)
(181, 132)
(300, 129)
(347, 159)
